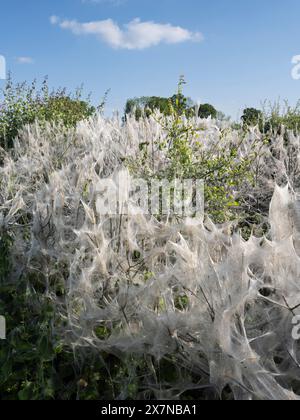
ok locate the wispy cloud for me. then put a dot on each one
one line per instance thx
(136, 35)
(25, 60)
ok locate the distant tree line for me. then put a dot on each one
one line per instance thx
(146, 105)
(272, 120)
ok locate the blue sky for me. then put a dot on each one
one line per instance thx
(233, 53)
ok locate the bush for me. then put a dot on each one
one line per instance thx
(279, 118)
(274, 118)
(23, 104)
(220, 165)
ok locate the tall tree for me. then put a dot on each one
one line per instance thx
(252, 116)
(207, 110)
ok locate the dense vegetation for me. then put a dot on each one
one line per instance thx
(24, 104)
(99, 307)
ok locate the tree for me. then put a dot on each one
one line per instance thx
(206, 111)
(148, 104)
(252, 116)
(183, 104)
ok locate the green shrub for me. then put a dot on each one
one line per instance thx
(274, 118)
(23, 104)
(277, 116)
(220, 168)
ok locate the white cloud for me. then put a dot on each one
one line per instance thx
(25, 60)
(136, 35)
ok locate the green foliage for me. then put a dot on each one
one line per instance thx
(207, 110)
(251, 117)
(179, 102)
(5, 244)
(277, 116)
(34, 363)
(274, 118)
(66, 110)
(147, 105)
(27, 354)
(24, 104)
(220, 169)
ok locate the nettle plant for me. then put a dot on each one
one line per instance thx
(219, 164)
